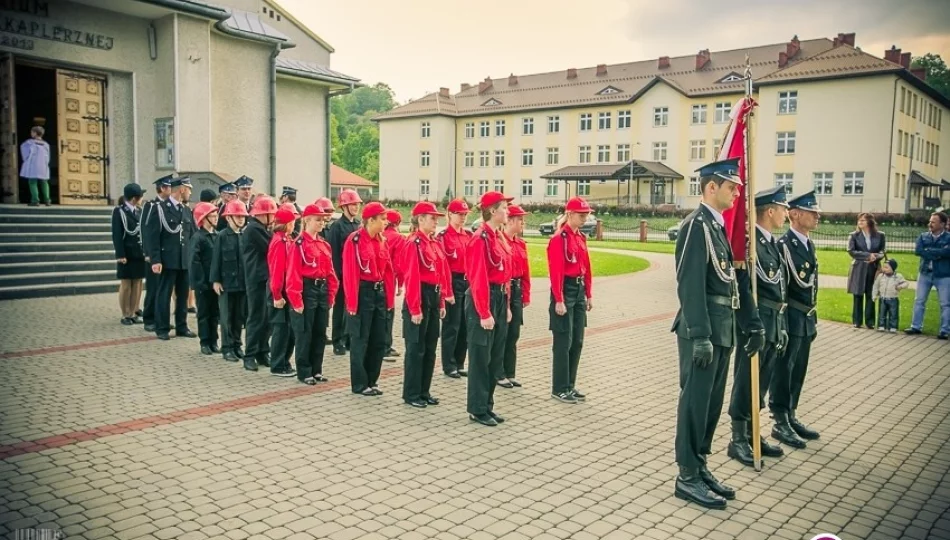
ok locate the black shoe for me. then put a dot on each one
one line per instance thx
(377, 391)
(504, 384)
(514, 383)
(163, 337)
(943, 336)
(238, 352)
(250, 364)
(912, 331)
(417, 403)
(869, 326)
(309, 381)
(454, 375)
(801, 429)
(136, 320)
(286, 372)
(690, 487)
(463, 373)
(138, 313)
(127, 321)
(230, 356)
(483, 419)
(192, 310)
(498, 418)
(739, 448)
(339, 350)
(716, 486)
(214, 348)
(431, 400)
(186, 333)
(206, 350)
(769, 449)
(392, 353)
(263, 360)
(565, 397)
(578, 395)
(149, 328)
(784, 433)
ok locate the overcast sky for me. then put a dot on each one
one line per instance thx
(417, 46)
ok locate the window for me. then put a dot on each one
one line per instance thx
(623, 153)
(697, 150)
(499, 158)
(426, 130)
(699, 115)
(937, 156)
(786, 142)
(913, 105)
(469, 159)
(424, 158)
(603, 120)
(788, 102)
(854, 183)
(499, 185)
(554, 124)
(482, 187)
(659, 151)
(583, 187)
(550, 189)
(623, 119)
(785, 180)
(527, 157)
(694, 187)
(584, 155)
(423, 188)
(586, 121)
(661, 116)
(553, 156)
(897, 184)
(903, 99)
(469, 188)
(900, 142)
(910, 145)
(484, 129)
(527, 188)
(527, 126)
(603, 153)
(483, 158)
(723, 110)
(499, 128)
(824, 183)
(716, 144)
(469, 130)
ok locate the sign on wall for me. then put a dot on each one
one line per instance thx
(165, 143)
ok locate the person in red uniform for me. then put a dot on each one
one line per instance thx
(281, 345)
(428, 286)
(311, 289)
(394, 242)
(520, 294)
(454, 240)
(569, 269)
(367, 283)
(488, 263)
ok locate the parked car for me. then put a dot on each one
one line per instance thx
(674, 231)
(588, 228)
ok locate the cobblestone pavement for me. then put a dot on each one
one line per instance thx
(107, 433)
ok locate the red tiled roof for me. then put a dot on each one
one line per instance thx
(342, 177)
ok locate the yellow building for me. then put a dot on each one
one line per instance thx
(863, 131)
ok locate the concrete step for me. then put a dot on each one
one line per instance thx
(44, 257)
(59, 289)
(51, 248)
(56, 218)
(56, 209)
(54, 236)
(45, 267)
(21, 280)
(50, 228)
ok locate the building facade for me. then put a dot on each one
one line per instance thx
(830, 117)
(131, 90)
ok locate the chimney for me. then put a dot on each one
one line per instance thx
(702, 58)
(846, 39)
(512, 80)
(465, 86)
(444, 92)
(663, 62)
(782, 59)
(571, 73)
(920, 73)
(905, 60)
(893, 54)
(836, 42)
(792, 47)
(484, 85)
(601, 70)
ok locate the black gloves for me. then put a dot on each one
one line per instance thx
(755, 344)
(702, 352)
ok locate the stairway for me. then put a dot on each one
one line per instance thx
(55, 251)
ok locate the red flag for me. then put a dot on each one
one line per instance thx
(734, 145)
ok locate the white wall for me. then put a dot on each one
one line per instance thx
(301, 138)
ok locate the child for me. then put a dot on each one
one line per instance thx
(202, 249)
(227, 274)
(887, 287)
(35, 168)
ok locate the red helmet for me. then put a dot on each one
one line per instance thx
(349, 196)
(426, 208)
(393, 217)
(324, 203)
(284, 216)
(314, 210)
(292, 208)
(202, 210)
(373, 209)
(235, 208)
(263, 205)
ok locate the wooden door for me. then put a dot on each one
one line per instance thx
(82, 150)
(9, 174)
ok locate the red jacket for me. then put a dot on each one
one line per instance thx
(277, 253)
(519, 266)
(568, 258)
(424, 262)
(454, 243)
(366, 258)
(487, 261)
(310, 258)
(394, 242)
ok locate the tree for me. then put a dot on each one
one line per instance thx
(938, 76)
(354, 137)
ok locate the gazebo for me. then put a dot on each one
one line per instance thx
(925, 192)
(658, 177)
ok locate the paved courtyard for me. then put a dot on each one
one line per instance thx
(106, 432)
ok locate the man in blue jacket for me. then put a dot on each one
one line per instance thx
(933, 248)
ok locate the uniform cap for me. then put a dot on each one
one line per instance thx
(727, 169)
(807, 202)
(284, 216)
(132, 191)
(492, 198)
(207, 195)
(458, 206)
(314, 210)
(394, 217)
(287, 190)
(373, 209)
(578, 204)
(425, 208)
(235, 208)
(164, 181)
(516, 211)
(202, 210)
(244, 182)
(263, 205)
(775, 195)
(181, 181)
(227, 188)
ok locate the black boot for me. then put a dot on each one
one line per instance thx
(784, 433)
(768, 449)
(690, 487)
(716, 486)
(801, 429)
(739, 448)
(250, 364)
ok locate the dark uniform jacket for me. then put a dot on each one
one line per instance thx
(802, 267)
(772, 286)
(168, 234)
(340, 230)
(706, 282)
(255, 240)
(146, 214)
(222, 221)
(202, 250)
(127, 245)
(227, 265)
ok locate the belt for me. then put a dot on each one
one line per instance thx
(798, 306)
(731, 302)
(376, 285)
(777, 306)
(574, 279)
(436, 288)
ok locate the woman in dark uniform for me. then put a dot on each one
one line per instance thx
(520, 294)
(130, 260)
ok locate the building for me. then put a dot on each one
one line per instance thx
(341, 179)
(131, 90)
(865, 132)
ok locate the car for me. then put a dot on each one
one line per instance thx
(588, 228)
(476, 224)
(674, 231)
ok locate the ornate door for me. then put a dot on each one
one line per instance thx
(82, 125)
(9, 175)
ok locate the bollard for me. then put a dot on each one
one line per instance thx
(599, 230)
(643, 230)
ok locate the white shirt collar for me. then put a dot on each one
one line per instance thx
(716, 214)
(802, 237)
(129, 206)
(765, 233)
(173, 200)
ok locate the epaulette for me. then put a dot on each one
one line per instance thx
(484, 235)
(563, 233)
(442, 232)
(356, 238)
(418, 240)
(299, 240)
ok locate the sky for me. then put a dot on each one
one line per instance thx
(418, 46)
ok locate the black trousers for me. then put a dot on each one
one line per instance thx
(862, 310)
(789, 376)
(568, 330)
(259, 304)
(486, 350)
(151, 291)
(390, 319)
(367, 334)
(421, 341)
(169, 280)
(510, 363)
(339, 334)
(702, 391)
(232, 306)
(310, 328)
(455, 328)
(206, 302)
(740, 404)
(281, 337)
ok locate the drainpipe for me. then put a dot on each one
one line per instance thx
(273, 118)
(326, 134)
(890, 152)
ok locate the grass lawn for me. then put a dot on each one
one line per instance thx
(602, 264)
(835, 305)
